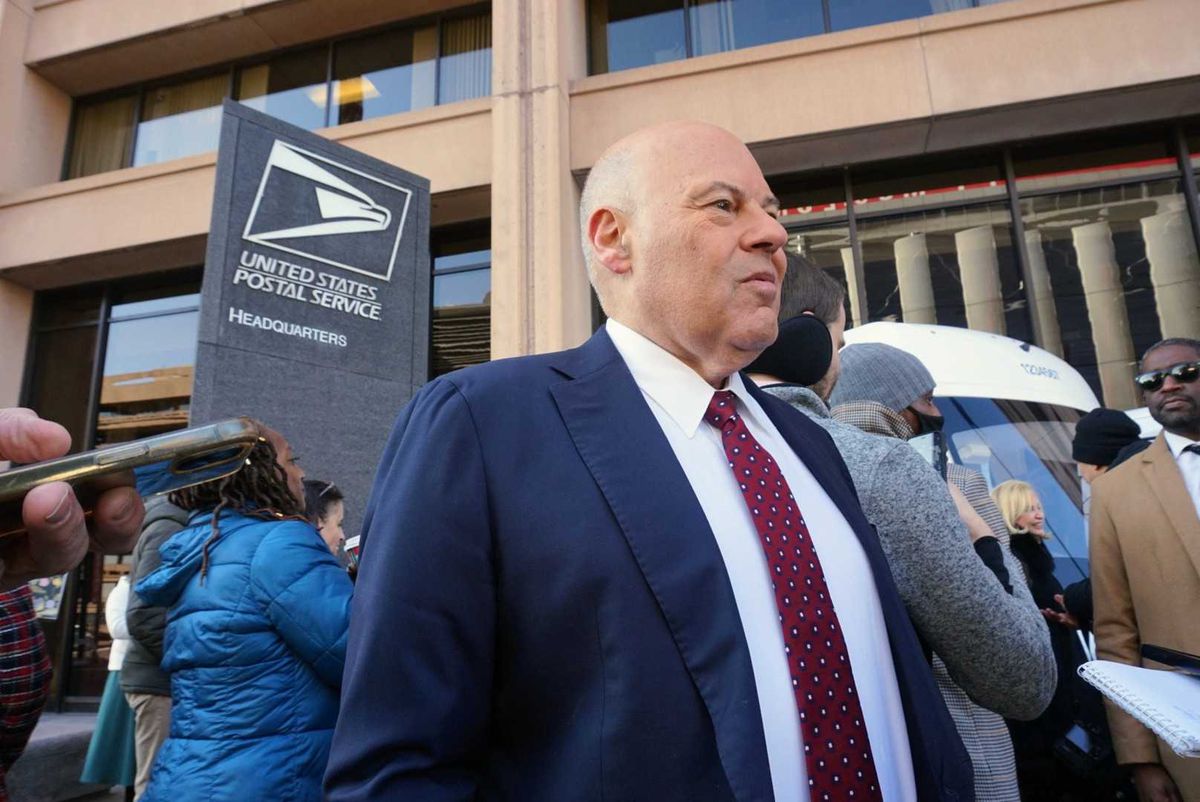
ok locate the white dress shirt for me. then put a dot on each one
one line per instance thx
(678, 397)
(1188, 462)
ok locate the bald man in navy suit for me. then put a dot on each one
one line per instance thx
(623, 573)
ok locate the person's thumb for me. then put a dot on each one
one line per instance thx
(58, 537)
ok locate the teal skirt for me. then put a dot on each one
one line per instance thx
(111, 757)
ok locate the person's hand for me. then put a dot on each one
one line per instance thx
(1154, 784)
(57, 535)
(1062, 616)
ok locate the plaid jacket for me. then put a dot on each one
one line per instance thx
(24, 676)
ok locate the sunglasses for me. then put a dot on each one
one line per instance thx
(1184, 373)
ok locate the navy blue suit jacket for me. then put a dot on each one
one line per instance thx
(542, 612)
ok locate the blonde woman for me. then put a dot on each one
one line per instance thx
(1039, 774)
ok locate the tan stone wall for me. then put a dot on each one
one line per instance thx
(88, 45)
(16, 309)
(35, 116)
(993, 74)
(72, 221)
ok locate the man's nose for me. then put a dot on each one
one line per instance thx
(767, 234)
(1171, 384)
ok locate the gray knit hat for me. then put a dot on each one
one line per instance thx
(880, 373)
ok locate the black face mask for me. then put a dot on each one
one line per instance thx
(929, 423)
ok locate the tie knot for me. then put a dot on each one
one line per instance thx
(1194, 448)
(721, 409)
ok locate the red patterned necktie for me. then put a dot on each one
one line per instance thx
(836, 749)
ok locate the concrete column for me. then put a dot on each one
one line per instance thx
(540, 295)
(1105, 298)
(1174, 271)
(33, 125)
(1041, 294)
(979, 269)
(912, 276)
(854, 289)
(16, 311)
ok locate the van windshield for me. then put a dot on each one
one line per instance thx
(1032, 442)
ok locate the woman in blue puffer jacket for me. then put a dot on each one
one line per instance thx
(255, 639)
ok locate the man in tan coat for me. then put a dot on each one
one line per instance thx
(1145, 555)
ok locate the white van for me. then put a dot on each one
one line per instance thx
(1010, 412)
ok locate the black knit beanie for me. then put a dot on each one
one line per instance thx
(1100, 434)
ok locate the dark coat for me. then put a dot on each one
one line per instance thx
(140, 672)
(255, 651)
(1038, 736)
(543, 615)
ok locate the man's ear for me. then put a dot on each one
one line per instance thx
(607, 232)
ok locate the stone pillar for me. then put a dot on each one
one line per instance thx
(1105, 298)
(1041, 294)
(16, 312)
(912, 276)
(979, 269)
(540, 293)
(854, 289)
(1174, 271)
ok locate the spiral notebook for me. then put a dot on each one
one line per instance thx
(1167, 702)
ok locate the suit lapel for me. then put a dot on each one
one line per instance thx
(1161, 472)
(623, 446)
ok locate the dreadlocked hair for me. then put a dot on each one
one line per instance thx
(259, 489)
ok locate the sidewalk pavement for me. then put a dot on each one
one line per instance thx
(49, 769)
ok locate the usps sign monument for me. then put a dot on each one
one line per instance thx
(315, 305)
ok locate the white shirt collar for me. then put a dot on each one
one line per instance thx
(681, 392)
(1177, 443)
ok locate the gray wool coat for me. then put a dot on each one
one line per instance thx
(995, 646)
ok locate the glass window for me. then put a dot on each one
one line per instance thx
(462, 289)
(927, 182)
(953, 267)
(103, 135)
(330, 84)
(130, 307)
(61, 379)
(828, 247)
(465, 70)
(290, 87)
(180, 119)
(1076, 162)
(462, 319)
(818, 229)
(812, 198)
(145, 386)
(1005, 440)
(148, 361)
(383, 74)
(845, 14)
(1122, 272)
(629, 33)
(721, 25)
(69, 307)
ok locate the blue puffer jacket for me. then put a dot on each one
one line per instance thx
(255, 655)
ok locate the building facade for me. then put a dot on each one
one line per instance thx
(1023, 166)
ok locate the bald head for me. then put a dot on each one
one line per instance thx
(683, 244)
(656, 156)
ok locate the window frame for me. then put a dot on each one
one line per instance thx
(234, 67)
(688, 36)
